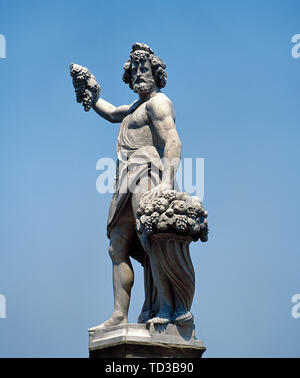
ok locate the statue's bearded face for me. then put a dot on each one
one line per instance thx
(141, 76)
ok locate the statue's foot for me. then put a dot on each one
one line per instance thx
(160, 318)
(117, 318)
(185, 318)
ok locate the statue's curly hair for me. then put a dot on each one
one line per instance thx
(141, 51)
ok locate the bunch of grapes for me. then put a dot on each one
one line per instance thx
(143, 219)
(154, 218)
(148, 227)
(181, 223)
(87, 101)
(86, 87)
(80, 76)
(191, 212)
(199, 209)
(204, 231)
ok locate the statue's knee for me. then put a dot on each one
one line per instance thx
(111, 252)
(117, 253)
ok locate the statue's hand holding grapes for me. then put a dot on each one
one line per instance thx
(86, 86)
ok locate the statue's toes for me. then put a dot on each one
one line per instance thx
(158, 320)
(185, 318)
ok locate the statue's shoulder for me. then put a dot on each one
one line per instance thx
(160, 102)
(133, 107)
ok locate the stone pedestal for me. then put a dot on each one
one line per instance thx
(141, 340)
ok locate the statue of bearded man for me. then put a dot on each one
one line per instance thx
(147, 135)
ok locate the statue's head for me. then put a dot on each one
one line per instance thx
(144, 70)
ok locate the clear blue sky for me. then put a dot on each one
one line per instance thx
(236, 91)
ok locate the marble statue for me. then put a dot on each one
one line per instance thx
(148, 220)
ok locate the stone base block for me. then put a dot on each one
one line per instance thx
(141, 340)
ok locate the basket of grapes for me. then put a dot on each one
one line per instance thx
(172, 212)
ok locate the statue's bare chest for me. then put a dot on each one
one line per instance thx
(136, 129)
(138, 119)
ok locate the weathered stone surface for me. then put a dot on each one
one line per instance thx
(140, 340)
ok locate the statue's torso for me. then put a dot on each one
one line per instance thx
(137, 131)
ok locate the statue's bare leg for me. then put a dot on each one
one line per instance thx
(123, 276)
(143, 186)
(120, 238)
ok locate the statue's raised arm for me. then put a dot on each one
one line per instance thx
(113, 114)
(88, 90)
